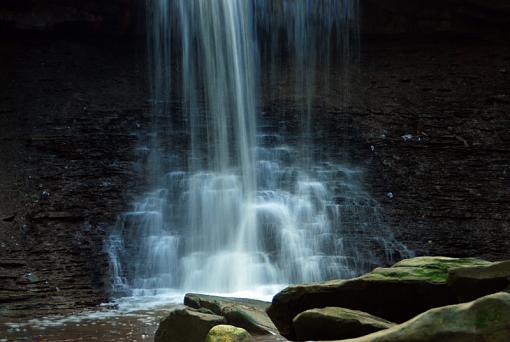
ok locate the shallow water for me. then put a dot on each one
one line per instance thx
(125, 319)
(139, 326)
(136, 326)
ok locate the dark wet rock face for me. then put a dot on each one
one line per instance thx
(71, 115)
(112, 17)
(457, 17)
(390, 17)
(435, 116)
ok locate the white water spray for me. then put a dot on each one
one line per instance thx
(251, 208)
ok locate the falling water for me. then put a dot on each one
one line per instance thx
(249, 207)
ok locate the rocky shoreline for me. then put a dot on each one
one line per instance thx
(419, 299)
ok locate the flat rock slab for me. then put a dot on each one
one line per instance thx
(248, 314)
(485, 319)
(336, 323)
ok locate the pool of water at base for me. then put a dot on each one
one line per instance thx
(133, 319)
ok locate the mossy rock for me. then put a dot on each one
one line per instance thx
(336, 323)
(436, 268)
(485, 319)
(439, 262)
(248, 314)
(228, 333)
(185, 324)
(396, 294)
(432, 275)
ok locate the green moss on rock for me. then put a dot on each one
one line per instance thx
(228, 333)
(432, 269)
(395, 293)
(441, 263)
(408, 274)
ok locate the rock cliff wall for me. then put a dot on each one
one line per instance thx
(71, 116)
(428, 118)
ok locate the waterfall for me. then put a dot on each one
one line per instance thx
(238, 204)
(219, 58)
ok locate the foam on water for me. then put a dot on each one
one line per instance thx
(310, 226)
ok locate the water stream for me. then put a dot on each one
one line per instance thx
(240, 206)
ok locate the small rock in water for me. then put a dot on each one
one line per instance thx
(228, 333)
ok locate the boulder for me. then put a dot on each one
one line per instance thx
(185, 324)
(336, 323)
(397, 293)
(485, 319)
(248, 314)
(228, 333)
(469, 283)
